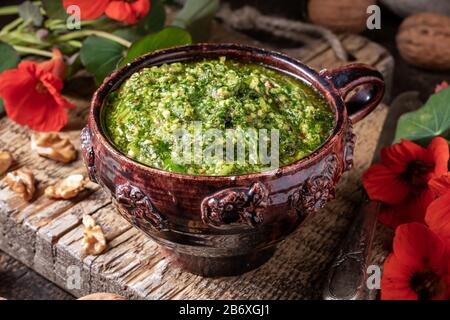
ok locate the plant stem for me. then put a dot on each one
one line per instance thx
(13, 24)
(102, 34)
(53, 24)
(99, 21)
(9, 10)
(37, 52)
(28, 39)
(23, 25)
(75, 43)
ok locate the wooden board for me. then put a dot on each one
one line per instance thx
(18, 282)
(46, 235)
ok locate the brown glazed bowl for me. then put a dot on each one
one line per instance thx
(217, 226)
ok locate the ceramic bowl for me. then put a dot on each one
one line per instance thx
(217, 226)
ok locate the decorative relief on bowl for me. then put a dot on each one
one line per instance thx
(88, 153)
(349, 149)
(139, 206)
(241, 205)
(317, 190)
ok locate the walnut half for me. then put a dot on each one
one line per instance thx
(22, 182)
(6, 160)
(94, 241)
(66, 188)
(53, 146)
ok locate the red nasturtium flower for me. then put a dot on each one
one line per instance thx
(419, 266)
(125, 11)
(443, 85)
(438, 212)
(128, 11)
(32, 94)
(400, 181)
(440, 185)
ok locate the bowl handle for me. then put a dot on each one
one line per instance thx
(364, 82)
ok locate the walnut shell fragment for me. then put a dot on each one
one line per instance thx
(66, 188)
(102, 296)
(94, 241)
(6, 160)
(21, 182)
(53, 146)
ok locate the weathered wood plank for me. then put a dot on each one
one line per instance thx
(49, 234)
(46, 234)
(15, 280)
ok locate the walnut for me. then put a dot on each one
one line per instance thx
(340, 16)
(406, 8)
(53, 146)
(424, 40)
(102, 296)
(66, 188)
(22, 182)
(94, 241)
(6, 160)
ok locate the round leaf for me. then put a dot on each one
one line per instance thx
(196, 17)
(30, 11)
(100, 56)
(2, 108)
(166, 38)
(54, 9)
(9, 58)
(128, 34)
(432, 120)
(154, 20)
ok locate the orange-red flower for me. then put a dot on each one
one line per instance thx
(443, 85)
(440, 185)
(129, 12)
(89, 10)
(124, 11)
(32, 94)
(419, 266)
(400, 181)
(413, 209)
(438, 212)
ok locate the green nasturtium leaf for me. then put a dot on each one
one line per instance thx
(166, 38)
(432, 120)
(154, 20)
(30, 11)
(9, 58)
(54, 9)
(128, 34)
(196, 17)
(100, 56)
(2, 108)
(74, 65)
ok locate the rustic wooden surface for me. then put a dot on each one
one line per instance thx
(18, 282)
(45, 234)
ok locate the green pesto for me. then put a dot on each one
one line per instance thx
(142, 116)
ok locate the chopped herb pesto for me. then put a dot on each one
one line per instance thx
(142, 117)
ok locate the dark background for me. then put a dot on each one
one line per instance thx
(406, 77)
(19, 282)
